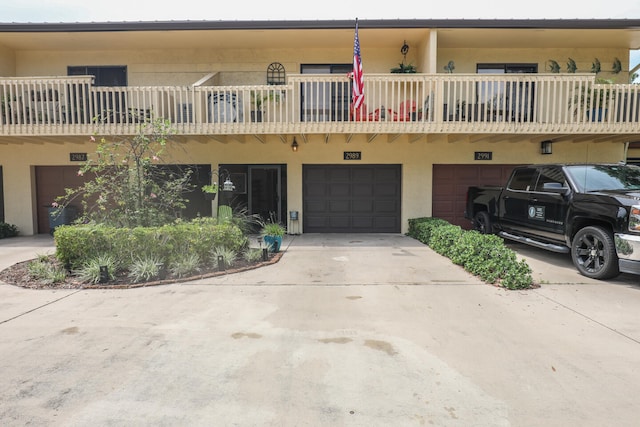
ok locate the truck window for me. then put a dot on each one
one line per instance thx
(522, 179)
(605, 177)
(550, 175)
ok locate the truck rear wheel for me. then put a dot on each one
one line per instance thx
(482, 222)
(594, 254)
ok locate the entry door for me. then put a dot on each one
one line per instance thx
(264, 191)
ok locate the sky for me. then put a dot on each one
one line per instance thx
(163, 10)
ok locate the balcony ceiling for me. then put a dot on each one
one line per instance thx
(321, 38)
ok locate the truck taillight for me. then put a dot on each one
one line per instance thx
(634, 218)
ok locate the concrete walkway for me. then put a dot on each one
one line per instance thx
(346, 330)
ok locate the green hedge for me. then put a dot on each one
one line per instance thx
(421, 228)
(77, 244)
(483, 255)
(8, 230)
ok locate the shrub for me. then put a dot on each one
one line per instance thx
(253, 255)
(421, 228)
(483, 255)
(518, 276)
(46, 271)
(77, 244)
(145, 268)
(185, 264)
(444, 238)
(228, 255)
(90, 270)
(8, 230)
(248, 223)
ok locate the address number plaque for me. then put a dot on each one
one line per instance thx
(483, 155)
(78, 157)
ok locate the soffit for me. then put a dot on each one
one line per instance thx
(538, 38)
(321, 38)
(211, 39)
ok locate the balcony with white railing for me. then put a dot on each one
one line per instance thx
(394, 103)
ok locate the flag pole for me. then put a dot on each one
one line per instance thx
(357, 95)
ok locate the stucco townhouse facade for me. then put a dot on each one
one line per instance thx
(267, 104)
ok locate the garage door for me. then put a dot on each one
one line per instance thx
(450, 183)
(51, 182)
(352, 199)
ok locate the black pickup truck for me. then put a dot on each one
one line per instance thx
(589, 210)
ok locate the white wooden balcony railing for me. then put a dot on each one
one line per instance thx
(412, 103)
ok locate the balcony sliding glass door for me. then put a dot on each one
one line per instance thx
(506, 101)
(325, 101)
(107, 107)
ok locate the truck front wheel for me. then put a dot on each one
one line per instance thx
(482, 222)
(594, 254)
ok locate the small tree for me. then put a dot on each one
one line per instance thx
(129, 186)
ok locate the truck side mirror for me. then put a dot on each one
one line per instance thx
(554, 187)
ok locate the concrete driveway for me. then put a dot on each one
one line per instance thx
(349, 330)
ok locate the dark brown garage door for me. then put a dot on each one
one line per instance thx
(50, 184)
(352, 199)
(450, 183)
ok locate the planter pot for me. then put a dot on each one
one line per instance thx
(273, 243)
(210, 196)
(256, 116)
(597, 114)
(61, 216)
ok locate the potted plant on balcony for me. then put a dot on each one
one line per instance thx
(256, 106)
(272, 233)
(595, 101)
(9, 109)
(403, 68)
(258, 98)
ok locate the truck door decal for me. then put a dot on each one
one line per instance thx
(536, 212)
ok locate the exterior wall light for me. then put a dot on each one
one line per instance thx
(404, 49)
(294, 145)
(545, 147)
(228, 185)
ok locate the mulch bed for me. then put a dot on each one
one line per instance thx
(18, 275)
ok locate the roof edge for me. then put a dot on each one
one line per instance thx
(321, 24)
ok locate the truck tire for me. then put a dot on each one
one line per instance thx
(594, 254)
(482, 222)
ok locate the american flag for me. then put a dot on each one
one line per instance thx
(358, 79)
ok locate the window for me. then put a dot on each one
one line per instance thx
(550, 176)
(105, 75)
(275, 74)
(506, 68)
(522, 179)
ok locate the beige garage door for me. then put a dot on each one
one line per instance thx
(450, 183)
